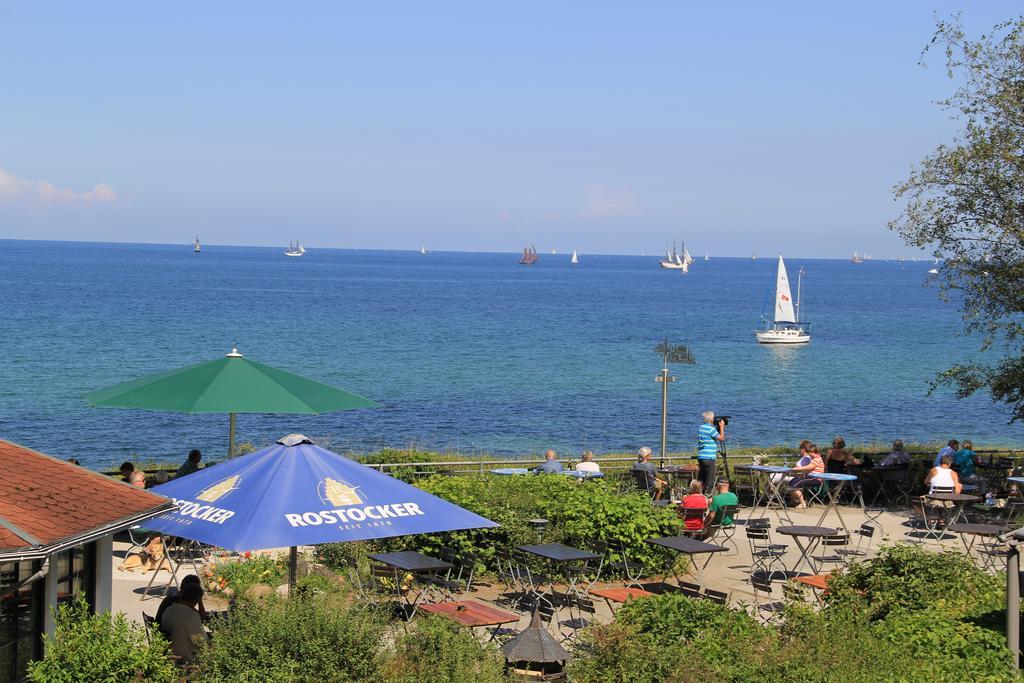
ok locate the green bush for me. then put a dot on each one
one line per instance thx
(239, 574)
(100, 647)
(578, 514)
(440, 651)
(319, 637)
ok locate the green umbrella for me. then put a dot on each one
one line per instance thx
(232, 384)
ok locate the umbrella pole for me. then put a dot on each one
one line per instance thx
(231, 435)
(293, 568)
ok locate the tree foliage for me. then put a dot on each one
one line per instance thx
(965, 202)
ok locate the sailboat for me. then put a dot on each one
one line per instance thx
(575, 258)
(857, 258)
(195, 245)
(786, 328)
(423, 250)
(686, 259)
(706, 256)
(295, 249)
(529, 255)
(753, 257)
(674, 261)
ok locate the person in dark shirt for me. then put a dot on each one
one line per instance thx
(190, 465)
(172, 597)
(126, 470)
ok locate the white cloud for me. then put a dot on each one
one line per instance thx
(13, 188)
(607, 202)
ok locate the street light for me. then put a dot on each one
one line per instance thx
(669, 354)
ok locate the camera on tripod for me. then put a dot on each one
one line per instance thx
(722, 420)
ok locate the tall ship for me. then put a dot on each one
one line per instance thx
(677, 261)
(295, 249)
(529, 255)
(195, 245)
(786, 327)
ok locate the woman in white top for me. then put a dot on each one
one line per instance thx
(587, 463)
(943, 476)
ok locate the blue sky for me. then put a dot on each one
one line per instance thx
(608, 127)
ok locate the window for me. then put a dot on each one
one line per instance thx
(20, 618)
(75, 573)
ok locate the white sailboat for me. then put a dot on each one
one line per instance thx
(786, 328)
(295, 249)
(706, 256)
(672, 260)
(575, 257)
(195, 245)
(423, 250)
(856, 258)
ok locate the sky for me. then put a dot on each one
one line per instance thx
(743, 127)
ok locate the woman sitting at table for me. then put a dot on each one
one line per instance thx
(694, 501)
(803, 478)
(838, 457)
(587, 464)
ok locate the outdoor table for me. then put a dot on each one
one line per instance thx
(973, 532)
(813, 536)
(413, 563)
(618, 596)
(560, 554)
(689, 546)
(772, 491)
(887, 484)
(959, 500)
(673, 471)
(510, 470)
(472, 614)
(583, 475)
(833, 494)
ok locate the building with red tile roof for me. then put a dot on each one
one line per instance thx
(57, 524)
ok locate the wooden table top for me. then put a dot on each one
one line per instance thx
(619, 594)
(819, 581)
(470, 613)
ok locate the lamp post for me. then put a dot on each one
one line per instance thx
(669, 354)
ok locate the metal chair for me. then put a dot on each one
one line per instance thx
(719, 597)
(642, 482)
(690, 590)
(582, 613)
(925, 520)
(694, 514)
(762, 583)
(833, 547)
(726, 532)
(149, 622)
(892, 485)
(865, 534)
(631, 570)
(764, 554)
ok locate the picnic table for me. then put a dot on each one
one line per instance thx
(686, 545)
(472, 614)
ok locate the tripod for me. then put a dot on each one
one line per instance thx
(723, 451)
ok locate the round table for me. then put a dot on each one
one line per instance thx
(772, 491)
(958, 500)
(833, 494)
(813, 534)
(974, 532)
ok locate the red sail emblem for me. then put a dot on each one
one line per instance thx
(783, 297)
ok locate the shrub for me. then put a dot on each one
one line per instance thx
(439, 651)
(100, 647)
(304, 638)
(250, 569)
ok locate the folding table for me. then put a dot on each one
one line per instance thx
(689, 546)
(771, 490)
(413, 563)
(472, 614)
(969, 535)
(959, 500)
(833, 494)
(813, 534)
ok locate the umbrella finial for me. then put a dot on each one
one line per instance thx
(234, 353)
(294, 440)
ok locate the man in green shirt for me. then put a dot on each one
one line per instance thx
(722, 498)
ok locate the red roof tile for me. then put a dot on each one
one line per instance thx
(44, 500)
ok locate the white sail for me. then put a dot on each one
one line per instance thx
(687, 259)
(784, 312)
(575, 257)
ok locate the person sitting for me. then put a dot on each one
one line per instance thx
(694, 501)
(964, 462)
(950, 449)
(172, 597)
(137, 478)
(723, 498)
(814, 464)
(181, 624)
(190, 465)
(943, 477)
(126, 470)
(897, 456)
(551, 464)
(587, 464)
(650, 473)
(838, 457)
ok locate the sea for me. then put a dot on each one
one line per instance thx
(473, 353)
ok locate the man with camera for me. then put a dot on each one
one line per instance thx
(709, 435)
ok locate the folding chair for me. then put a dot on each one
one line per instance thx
(724, 533)
(720, 597)
(764, 554)
(631, 571)
(691, 514)
(892, 486)
(588, 572)
(149, 622)
(864, 534)
(582, 614)
(925, 520)
(690, 590)
(832, 547)
(762, 583)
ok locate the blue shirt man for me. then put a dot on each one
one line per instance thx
(964, 461)
(708, 436)
(707, 442)
(950, 450)
(551, 464)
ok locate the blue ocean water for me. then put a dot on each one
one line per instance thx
(473, 352)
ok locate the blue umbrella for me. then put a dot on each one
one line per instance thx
(296, 493)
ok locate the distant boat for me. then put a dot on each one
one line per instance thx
(856, 258)
(706, 257)
(933, 271)
(753, 257)
(423, 250)
(529, 255)
(674, 261)
(195, 245)
(575, 257)
(295, 249)
(786, 327)
(554, 251)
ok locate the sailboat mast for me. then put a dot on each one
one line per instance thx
(799, 287)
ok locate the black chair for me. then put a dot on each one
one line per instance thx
(765, 555)
(694, 514)
(770, 610)
(582, 613)
(832, 550)
(690, 590)
(725, 532)
(862, 548)
(720, 597)
(630, 570)
(150, 623)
